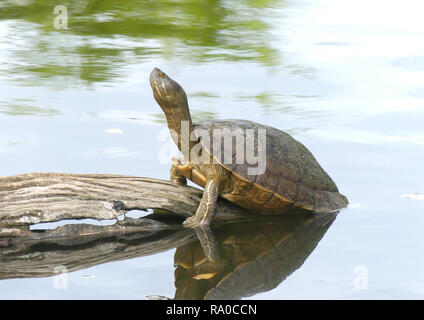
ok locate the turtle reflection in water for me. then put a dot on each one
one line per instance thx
(254, 257)
(291, 179)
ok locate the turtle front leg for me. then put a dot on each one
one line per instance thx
(176, 175)
(206, 210)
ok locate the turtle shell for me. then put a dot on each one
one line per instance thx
(292, 177)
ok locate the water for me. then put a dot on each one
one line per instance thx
(343, 78)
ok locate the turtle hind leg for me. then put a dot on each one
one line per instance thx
(206, 210)
(176, 175)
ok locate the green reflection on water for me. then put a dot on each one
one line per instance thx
(204, 95)
(23, 107)
(105, 36)
(198, 115)
(272, 102)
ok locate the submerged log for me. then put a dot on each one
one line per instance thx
(33, 198)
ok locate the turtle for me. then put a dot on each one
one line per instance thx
(291, 177)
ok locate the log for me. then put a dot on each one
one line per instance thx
(33, 198)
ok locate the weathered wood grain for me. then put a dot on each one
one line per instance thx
(33, 198)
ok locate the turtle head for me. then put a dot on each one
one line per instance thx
(167, 92)
(172, 98)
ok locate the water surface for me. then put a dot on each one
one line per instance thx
(343, 78)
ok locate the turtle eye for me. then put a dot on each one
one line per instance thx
(161, 74)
